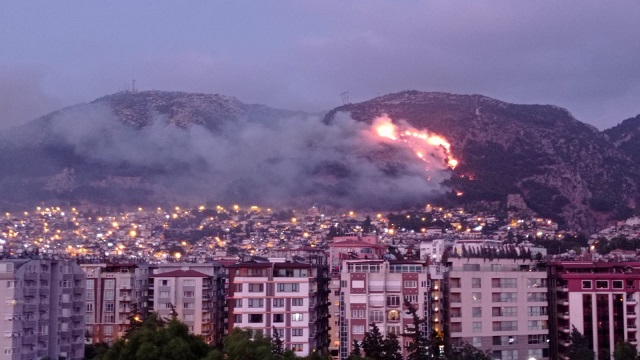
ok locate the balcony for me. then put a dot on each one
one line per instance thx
(29, 291)
(565, 343)
(631, 301)
(29, 324)
(563, 288)
(565, 329)
(633, 341)
(79, 276)
(565, 315)
(31, 276)
(631, 314)
(631, 327)
(125, 298)
(29, 340)
(563, 302)
(77, 332)
(30, 307)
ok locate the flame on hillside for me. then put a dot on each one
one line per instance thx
(421, 142)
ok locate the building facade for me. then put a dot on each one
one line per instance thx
(599, 299)
(115, 294)
(498, 305)
(373, 291)
(43, 309)
(287, 297)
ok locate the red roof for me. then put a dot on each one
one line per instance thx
(182, 273)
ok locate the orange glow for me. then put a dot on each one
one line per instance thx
(421, 142)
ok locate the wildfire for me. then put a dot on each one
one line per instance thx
(419, 141)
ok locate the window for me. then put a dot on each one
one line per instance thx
(616, 284)
(237, 318)
(505, 325)
(393, 315)
(535, 353)
(255, 303)
(537, 310)
(288, 287)
(454, 283)
(278, 318)
(89, 307)
(278, 303)
(11, 284)
(537, 324)
(189, 282)
(477, 326)
(476, 297)
(108, 307)
(586, 284)
(297, 302)
(536, 283)
(536, 297)
(110, 318)
(296, 347)
(602, 284)
(376, 315)
(164, 282)
(470, 267)
(504, 283)
(297, 317)
(238, 303)
(411, 284)
(504, 311)
(255, 318)
(393, 329)
(476, 341)
(393, 300)
(297, 332)
(476, 312)
(476, 283)
(237, 287)
(537, 339)
(254, 288)
(108, 330)
(412, 298)
(357, 329)
(456, 327)
(88, 319)
(509, 355)
(357, 314)
(189, 294)
(188, 305)
(110, 284)
(188, 317)
(504, 297)
(357, 284)
(496, 267)
(109, 295)
(90, 295)
(164, 294)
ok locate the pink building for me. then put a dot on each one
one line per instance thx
(353, 247)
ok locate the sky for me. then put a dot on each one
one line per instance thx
(301, 55)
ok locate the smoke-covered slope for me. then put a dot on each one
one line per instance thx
(562, 168)
(158, 147)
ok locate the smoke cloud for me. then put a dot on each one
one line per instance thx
(290, 161)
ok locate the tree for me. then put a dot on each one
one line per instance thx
(625, 351)
(419, 345)
(391, 348)
(277, 345)
(580, 349)
(469, 352)
(356, 353)
(135, 319)
(240, 345)
(372, 344)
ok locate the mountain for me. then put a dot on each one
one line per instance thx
(561, 168)
(155, 147)
(626, 137)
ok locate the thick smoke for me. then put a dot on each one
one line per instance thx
(290, 161)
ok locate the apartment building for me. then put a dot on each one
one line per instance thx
(374, 291)
(498, 305)
(115, 292)
(599, 298)
(43, 310)
(290, 297)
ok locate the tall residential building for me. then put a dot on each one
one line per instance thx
(114, 293)
(498, 305)
(289, 297)
(43, 311)
(599, 298)
(195, 291)
(374, 291)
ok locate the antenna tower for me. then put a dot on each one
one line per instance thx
(345, 98)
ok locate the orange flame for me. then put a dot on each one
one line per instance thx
(415, 139)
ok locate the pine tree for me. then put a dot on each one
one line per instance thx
(277, 345)
(391, 348)
(372, 342)
(580, 348)
(418, 348)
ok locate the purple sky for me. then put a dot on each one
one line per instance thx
(581, 55)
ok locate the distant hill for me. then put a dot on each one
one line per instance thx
(562, 168)
(153, 147)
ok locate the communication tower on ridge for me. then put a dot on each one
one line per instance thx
(345, 98)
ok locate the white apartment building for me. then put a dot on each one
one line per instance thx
(288, 297)
(190, 293)
(374, 291)
(114, 291)
(43, 309)
(500, 305)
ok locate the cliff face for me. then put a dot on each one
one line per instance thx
(564, 169)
